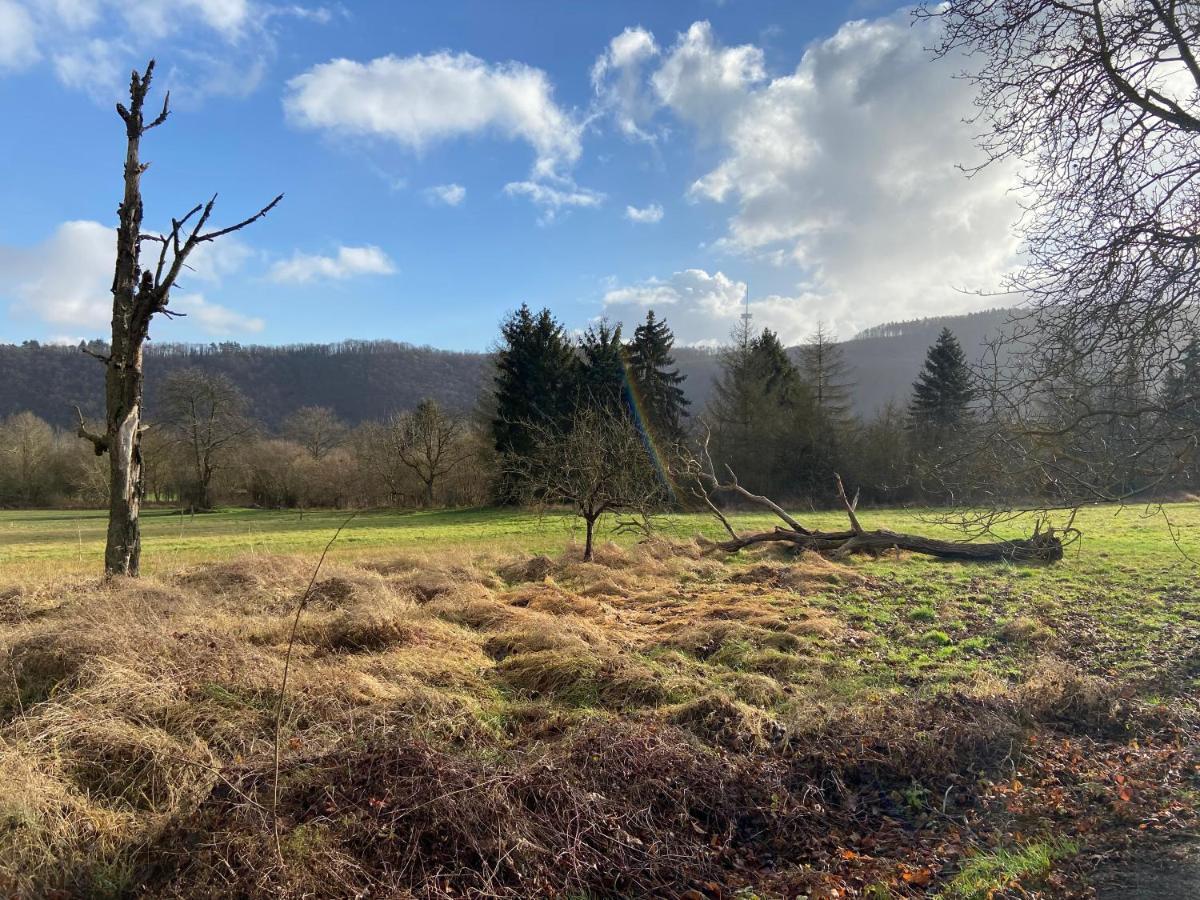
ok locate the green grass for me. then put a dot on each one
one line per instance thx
(1123, 602)
(986, 873)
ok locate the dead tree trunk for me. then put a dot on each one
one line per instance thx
(1042, 546)
(138, 295)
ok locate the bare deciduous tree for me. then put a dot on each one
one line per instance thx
(139, 294)
(315, 428)
(1097, 107)
(428, 442)
(206, 414)
(599, 466)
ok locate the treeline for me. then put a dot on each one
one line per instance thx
(360, 380)
(783, 426)
(206, 449)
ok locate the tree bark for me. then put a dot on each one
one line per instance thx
(589, 529)
(1043, 547)
(138, 295)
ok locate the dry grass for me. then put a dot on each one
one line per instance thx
(497, 725)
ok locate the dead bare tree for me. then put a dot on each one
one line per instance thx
(700, 472)
(139, 295)
(599, 465)
(1096, 106)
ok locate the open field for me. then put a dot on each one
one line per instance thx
(469, 717)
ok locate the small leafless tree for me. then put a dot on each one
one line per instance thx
(139, 294)
(1096, 105)
(428, 442)
(206, 414)
(315, 428)
(599, 465)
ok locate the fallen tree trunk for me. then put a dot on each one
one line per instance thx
(1043, 546)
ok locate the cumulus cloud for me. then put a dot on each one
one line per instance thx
(617, 78)
(847, 168)
(218, 321)
(703, 309)
(66, 281)
(449, 194)
(644, 215)
(706, 84)
(18, 42)
(420, 100)
(349, 262)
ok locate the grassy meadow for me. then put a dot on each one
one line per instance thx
(474, 711)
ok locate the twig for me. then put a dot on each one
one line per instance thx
(287, 666)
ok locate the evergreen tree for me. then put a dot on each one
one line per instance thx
(1181, 390)
(824, 368)
(762, 414)
(601, 379)
(942, 393)
(535, 382)
(652, 370)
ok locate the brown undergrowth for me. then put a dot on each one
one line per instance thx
(649, 723)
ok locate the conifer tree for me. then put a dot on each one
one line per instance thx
(761, 412)
(657, 380)
(601, 378)
(535, 382)
(824, 368)
(942, 393)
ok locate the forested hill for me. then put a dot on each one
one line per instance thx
(369, 379)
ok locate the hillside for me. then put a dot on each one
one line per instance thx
(369, 379)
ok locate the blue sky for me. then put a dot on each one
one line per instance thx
(443, 163)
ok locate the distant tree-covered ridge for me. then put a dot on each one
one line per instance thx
(369, 380)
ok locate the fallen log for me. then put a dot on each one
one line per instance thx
(1043, 546)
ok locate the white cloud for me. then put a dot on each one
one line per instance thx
(350, 261)
(74, 14)
(706, 84)
(449, 194)
(95, 66)
(553, 200)
(847, 169)
(703, 309)
(218, 321)
(66, 281)
(215, 47)
(645, 215)
(18, 41)
(420, 100)
(617, 77)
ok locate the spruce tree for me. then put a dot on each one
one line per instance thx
(824, 368)
(657, 381)
(601, 378)
(535, 381)
(942, 393)
(762, 412)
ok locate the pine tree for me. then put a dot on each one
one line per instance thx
(601, 379)
(657, 381)
(942, 393)
(535, 381)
